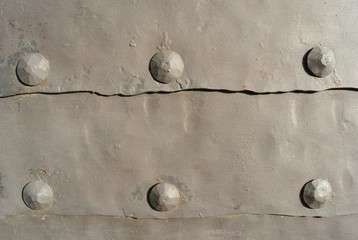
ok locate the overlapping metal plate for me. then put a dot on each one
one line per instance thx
(243, 227)
(228, 153)
(101, 131)
(105, 46)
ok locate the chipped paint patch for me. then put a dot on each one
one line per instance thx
(185, 191)
(138, 194)
(2, 188)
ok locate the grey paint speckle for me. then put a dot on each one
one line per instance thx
(2, 187)
(138, 194)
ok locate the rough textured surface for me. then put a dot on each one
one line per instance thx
(106, 46)
(33, 69)
(321, 61)
(239, 160)
(37, 195)
(164, 197)
(317, 192)
(227, 153)
(245, 227)
(166, 66)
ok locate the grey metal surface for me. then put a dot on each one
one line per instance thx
(52, 227)
(37, 195)
(95, 131)
(106, 46)
(227, 153)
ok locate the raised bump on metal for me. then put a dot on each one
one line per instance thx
(164, 197)
(321, 61)
(37, 195)
(166, 66)
(316, 193)
(274, 140)
(33, 69)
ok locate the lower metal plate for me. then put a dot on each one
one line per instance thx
(224, 228)
(228, 154)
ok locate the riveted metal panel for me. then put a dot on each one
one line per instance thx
(84, 120)
(228, 153)
(105, 46)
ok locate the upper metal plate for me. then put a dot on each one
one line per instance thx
(106, 46)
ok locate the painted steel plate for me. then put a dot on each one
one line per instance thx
(245, 127)
(229, 154)
(105, 46)
(223, 228)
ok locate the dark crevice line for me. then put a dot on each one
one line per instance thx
(245, 92)
(185, 218)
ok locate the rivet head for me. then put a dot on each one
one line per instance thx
(164, 197)
(166, 66)
(33, 69)
(37, 195)
(316, 193)
(321, 61)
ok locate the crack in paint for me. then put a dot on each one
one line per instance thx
(179, 218)
(245, 92)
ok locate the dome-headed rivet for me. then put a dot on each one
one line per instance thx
(37, 195)
(321, 61)
(33, 69)
(166, 66)
(164, 197)
(316, 193)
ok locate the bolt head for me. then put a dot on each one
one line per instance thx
(164, 197)
(316, 193)
(166, 66)
(321, 61)
(37, 195)
(33, 69)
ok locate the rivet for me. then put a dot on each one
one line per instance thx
(321, 61)
(164, 197)
(37, 195)
(33, 69)
(166, 66)
(316, 193)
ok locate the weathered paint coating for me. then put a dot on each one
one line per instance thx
(228, 153)
(256, 45)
